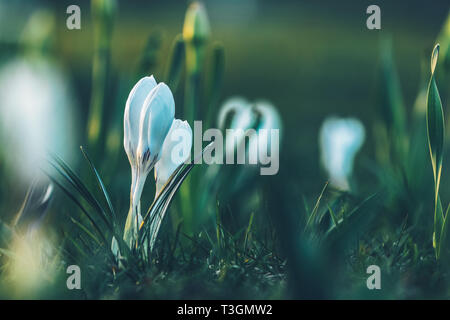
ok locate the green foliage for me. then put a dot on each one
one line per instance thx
(435, 127)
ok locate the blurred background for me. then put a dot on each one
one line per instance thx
(311, 60)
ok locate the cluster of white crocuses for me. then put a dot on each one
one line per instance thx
(340, 139)
(152, 139)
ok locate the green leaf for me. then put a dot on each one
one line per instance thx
(86, 230)
(313, 214)
(333, 216)
(175, 64)
(351, 215)
(435, 130)
(435, 124)
(73, 179)
(67, 173)
(100, 184)
(247, 231)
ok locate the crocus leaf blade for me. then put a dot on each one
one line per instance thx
(435, 127)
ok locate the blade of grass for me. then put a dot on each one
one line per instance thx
(316, 207)
(100, 184)
(333, 216)
(351, 213)
(86, 230)
(247, 232)
(76, 182)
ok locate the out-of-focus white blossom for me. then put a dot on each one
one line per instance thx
(36, 115)
(340, 140)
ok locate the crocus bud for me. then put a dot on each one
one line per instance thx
(131, 121)
(340, 140)
(103, 12)
(133, 108)
(196, 24)
(195, 34)
(175, 151)
(156, 120)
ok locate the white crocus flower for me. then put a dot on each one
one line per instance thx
(133, 108)
(175, 151)
(131, 120)
(340, 140)
(156, 120)
(149, 113)
(36, 116)
(261, 116)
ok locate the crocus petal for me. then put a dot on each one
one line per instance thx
(133, 108)
(175, 151)
(156, 119)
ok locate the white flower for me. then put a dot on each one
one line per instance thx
(262, 116)
(175, 151)
(36, 116)
(149, 113)
(155, 122)
(131, 119)
(340, 140)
